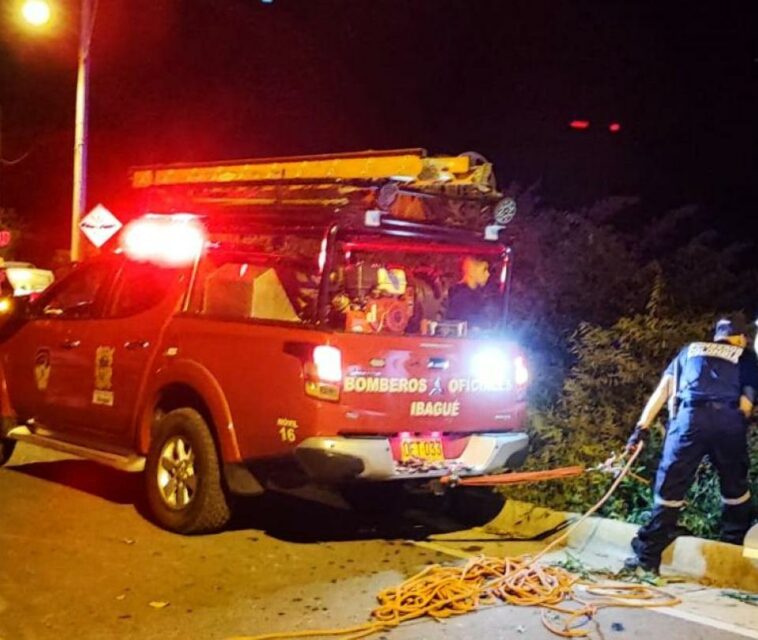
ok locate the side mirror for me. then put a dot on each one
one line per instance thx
(22, 307)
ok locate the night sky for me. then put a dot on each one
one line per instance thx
(183, 80)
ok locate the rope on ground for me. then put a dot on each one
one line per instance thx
(442, 592)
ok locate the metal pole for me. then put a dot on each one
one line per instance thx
(80, 132)
(328, 247)
(508, 281)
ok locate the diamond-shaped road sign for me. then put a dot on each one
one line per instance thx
(99, 225)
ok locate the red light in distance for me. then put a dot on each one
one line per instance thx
(614, 127)
(579, 124)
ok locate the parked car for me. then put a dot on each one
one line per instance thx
(21, 280)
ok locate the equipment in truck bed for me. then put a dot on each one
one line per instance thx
(375, 203)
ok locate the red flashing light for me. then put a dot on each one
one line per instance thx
(168, 240)
(614, 127)
(579, 125)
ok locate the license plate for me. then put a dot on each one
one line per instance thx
(429, 450)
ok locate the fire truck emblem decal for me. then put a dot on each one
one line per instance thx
(103, 393)
(436, 389)
(42, 369)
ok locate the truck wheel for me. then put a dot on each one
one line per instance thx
(6, 449)
(184, 489)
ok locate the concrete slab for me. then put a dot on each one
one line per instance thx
(508, 623)
(714, 608)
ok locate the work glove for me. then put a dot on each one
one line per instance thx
(640, 434)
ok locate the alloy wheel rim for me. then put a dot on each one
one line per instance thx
(176, 476)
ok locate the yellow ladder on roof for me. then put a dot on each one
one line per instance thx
(411, 166)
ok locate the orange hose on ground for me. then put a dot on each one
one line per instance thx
(441, 592)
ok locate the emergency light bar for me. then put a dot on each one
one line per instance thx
(168, 240)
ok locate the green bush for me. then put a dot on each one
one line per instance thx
(602, 298)
(604, 392)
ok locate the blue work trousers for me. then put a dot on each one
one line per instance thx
(720, 432)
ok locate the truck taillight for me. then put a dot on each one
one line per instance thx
(323, 376)
(520, 371)
(328, 361)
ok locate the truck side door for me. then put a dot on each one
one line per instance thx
(125, 340)
(48, 360)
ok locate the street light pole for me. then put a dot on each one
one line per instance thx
(79, 202)
(37, 13)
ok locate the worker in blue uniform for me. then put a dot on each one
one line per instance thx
(710, 388)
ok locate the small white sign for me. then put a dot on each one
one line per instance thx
(99, 225)
(99, 396)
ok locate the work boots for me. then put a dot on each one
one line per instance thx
(632, 563)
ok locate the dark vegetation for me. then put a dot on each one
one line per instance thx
(603, 298)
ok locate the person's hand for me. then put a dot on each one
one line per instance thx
(640, 434)
(610, 464)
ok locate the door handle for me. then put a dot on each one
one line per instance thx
(134, 345)
(71, 344)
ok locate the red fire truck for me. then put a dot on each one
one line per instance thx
(282, 316)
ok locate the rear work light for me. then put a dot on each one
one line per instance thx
(323, 375)
(495, 369)
(168, 240)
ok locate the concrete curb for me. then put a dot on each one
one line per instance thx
(707, 561)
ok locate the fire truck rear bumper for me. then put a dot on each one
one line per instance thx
(341, 459)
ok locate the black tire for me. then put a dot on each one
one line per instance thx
(207, 509)
(6, 449)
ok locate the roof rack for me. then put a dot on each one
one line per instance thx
(324, 179)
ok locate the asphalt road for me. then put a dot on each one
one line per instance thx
(79, 560)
